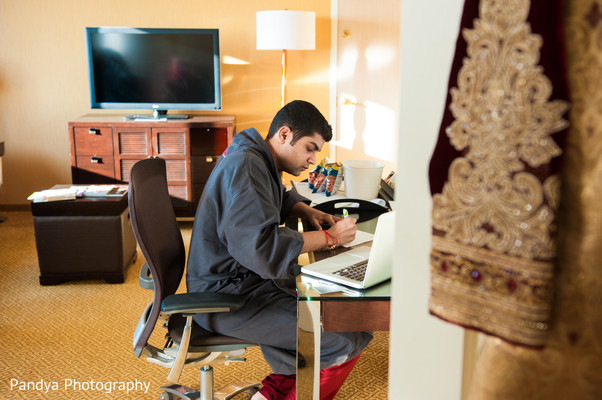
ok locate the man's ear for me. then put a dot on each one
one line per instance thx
(283, 133)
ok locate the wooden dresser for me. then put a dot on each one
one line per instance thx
(104, 148)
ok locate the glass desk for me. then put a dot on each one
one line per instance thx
(342, 309)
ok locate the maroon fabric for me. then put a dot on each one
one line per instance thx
(545, 20)
(282, 387)
(493, 254)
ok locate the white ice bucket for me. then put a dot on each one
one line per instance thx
(362, 178)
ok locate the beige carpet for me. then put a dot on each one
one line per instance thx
(74, 340)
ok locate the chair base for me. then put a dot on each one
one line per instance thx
(172, 392)
(179, 392)
(227, 392)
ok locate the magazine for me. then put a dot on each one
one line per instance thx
(104, 190)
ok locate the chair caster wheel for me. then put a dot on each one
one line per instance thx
(252, 392)
(166, 396)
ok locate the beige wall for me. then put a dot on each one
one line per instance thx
(43, 72)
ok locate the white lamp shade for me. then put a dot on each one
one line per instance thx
(286, 30)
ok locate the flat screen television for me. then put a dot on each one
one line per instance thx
(154, 69)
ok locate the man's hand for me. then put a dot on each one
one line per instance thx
(318, 219)
(344, 231)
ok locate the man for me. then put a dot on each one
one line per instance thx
(239, 246)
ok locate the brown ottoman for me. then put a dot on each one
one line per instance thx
(83, 239)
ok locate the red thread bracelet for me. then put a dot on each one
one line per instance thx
(335, 241)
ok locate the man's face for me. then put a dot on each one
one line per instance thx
(296, 158)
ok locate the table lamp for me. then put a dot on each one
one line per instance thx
(286, 30)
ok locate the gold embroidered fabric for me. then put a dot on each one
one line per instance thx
(493, 248)
(570, 364)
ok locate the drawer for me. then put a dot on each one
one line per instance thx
(133, 141)
(208, 141)
(94, 169)
(170, 143)
(176, 169)
(201, 167)
(197, 192)
(179, 196)
(124, 167)
(90, 140)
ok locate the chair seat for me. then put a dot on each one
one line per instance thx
(199, 335)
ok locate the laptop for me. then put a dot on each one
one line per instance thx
(362, 266)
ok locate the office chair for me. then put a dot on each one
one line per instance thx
(160, 240)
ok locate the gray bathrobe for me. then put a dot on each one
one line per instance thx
(238, 246)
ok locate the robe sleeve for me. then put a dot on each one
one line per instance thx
(253, 234)
(290, 198)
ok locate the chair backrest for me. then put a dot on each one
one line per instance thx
(158, 235)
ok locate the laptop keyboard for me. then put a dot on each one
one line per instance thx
(355, 271)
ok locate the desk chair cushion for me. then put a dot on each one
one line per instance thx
(199, 336)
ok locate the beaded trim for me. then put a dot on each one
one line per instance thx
(506, 296)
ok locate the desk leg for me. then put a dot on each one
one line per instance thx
(308, 346)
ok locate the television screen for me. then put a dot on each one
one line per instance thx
(158, 69)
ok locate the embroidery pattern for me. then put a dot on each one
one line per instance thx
(570, 365)
(494, 221)
(503, 122)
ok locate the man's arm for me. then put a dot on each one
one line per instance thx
(341, 231)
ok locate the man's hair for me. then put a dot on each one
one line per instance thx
(303, 119)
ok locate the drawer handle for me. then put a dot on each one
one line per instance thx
(93, 131)
(95, 160)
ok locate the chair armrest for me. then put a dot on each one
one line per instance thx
(145, 280)
(205, 302)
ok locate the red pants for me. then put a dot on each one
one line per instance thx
(282, 387)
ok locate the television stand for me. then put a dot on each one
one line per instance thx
(104, 148)
(158, 115)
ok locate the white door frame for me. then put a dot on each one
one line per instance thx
(334, 58)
